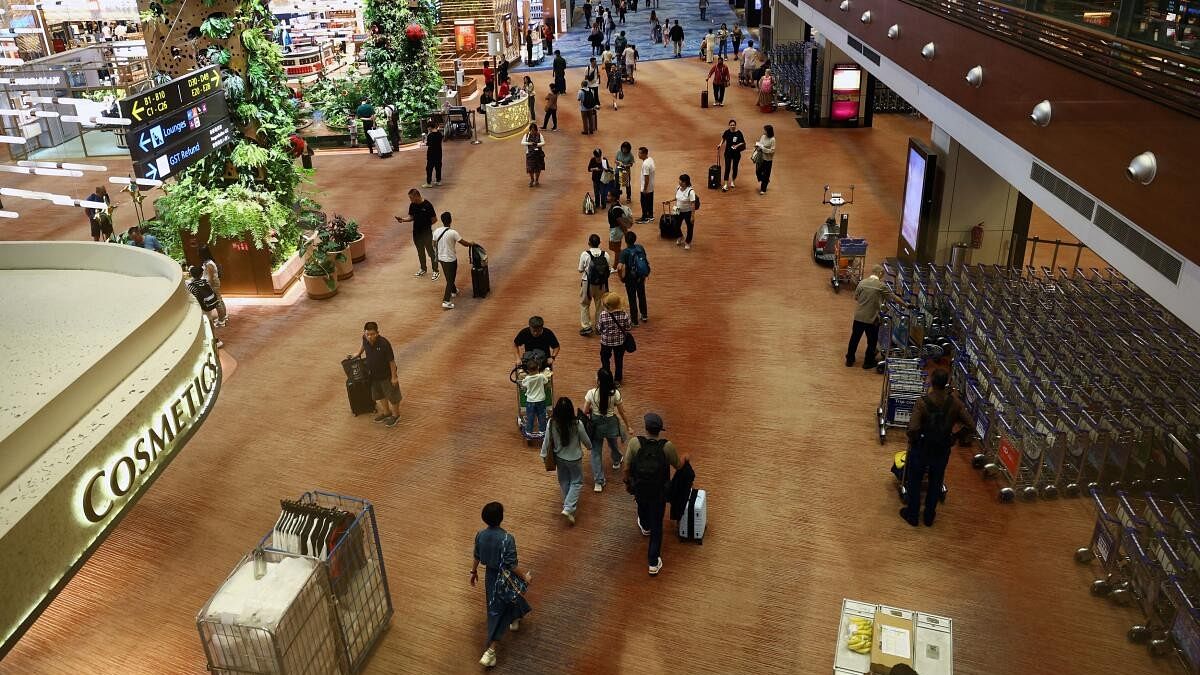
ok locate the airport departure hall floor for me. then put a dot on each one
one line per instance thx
(742, 358)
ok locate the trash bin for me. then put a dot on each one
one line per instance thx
(959, 255)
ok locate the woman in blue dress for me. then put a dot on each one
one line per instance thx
(496, 550)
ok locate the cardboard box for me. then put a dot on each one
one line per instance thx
(934, 654)
(893, 640)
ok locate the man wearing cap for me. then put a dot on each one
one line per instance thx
(648, 462)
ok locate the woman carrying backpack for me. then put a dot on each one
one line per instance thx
(563, 439)
(602, 406)
(686, 203)
(504, 582)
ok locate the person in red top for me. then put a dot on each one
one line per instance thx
(505, 87)
(719, 74)
(487, 74)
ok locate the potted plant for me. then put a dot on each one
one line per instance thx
(356, 241)
(334, 239)
(320, 280)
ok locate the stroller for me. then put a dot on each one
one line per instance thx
(532, 361)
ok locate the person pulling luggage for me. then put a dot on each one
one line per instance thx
(382, 371)
(930, 435)
(648, 462)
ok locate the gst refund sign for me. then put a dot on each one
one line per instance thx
(103, 491)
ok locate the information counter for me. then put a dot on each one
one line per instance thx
(507, 119)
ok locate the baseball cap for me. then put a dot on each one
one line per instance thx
(653, 422)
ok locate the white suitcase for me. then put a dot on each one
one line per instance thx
(695, 517)
(382, 145)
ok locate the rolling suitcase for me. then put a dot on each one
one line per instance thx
(481, 283)
(704, 98)
(714, 176)
(695, 517)
(382, 145)
(359, 394)
(668, 227)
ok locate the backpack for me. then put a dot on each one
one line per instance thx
(204, 294)
(695, 200)
(589, 99)
(649, 472)
(639, 265)
(589, 204)
(598, 269)
(937, 432)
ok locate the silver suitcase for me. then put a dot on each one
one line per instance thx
(382, 145)
(695, 517)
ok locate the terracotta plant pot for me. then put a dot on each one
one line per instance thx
(358, 248)
(317, 287)
(343, 264)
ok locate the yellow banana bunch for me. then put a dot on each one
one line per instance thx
(860, 638)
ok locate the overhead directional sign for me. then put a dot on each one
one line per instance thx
(148, 107)
(148, 141)
(159, 165)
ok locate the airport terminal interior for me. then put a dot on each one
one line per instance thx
(198, 475)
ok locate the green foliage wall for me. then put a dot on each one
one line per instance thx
(404, 72)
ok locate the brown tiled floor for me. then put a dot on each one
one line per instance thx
(742, 358)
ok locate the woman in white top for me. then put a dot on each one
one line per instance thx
(603, 407)
(535, 157)
(212, 275)
(686, 203)
(765, 149)
(566, 438)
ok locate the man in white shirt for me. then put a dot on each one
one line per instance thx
(444, 239)
(595, 265)
(646, 190)
(630, 61)
(749, 63)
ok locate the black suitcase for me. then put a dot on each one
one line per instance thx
(668, 227)
(355, 368)
(714, 177)
(359, 394)
(704, 99)
(481, 283)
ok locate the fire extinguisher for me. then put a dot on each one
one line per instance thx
(977, 236)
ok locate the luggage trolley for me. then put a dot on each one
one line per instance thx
(903, 385)
(849, 259)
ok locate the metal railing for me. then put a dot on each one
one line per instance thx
(1165, 77)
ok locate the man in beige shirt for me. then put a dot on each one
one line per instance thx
(870, 295)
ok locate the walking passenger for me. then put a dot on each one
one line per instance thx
(685, 206)
(594, 264)
(646, 185)
(496, 550)
(564, 438)
(613, 325)
(648, 462)
(444, 239)
(766, 148)
(602, 406)
(633, 267)
(734, 142)
(422, 215)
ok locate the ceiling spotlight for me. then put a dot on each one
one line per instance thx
(975, 76)
(894, 31)
(845, 6)
(1142, 169)
(866, 17)
(928, 51)
(1041, 114)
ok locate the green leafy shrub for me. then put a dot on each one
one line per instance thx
(404, 73)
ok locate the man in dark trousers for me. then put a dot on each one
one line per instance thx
(930, 435)
(676, 35)
(433, 155)
(870, 295)
(633, 267)
(99, 222)
(422, 215)
(560, 72)
(648, 462)
(587, 12)
(382, 371)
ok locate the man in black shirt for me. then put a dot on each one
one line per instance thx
(422, 215)
(99, 221)
(381, 369)
(433, 155)
(537, 336)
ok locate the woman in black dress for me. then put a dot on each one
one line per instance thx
(734, 142)
(496, 550)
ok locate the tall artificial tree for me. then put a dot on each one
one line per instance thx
(402, 54)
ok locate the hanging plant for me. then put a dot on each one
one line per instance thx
(216, 28)
(404, 69)
(414, 32)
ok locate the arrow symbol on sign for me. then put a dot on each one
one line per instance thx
(137, 110)
(143, 141)
(152, 171)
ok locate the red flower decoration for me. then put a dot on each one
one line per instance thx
(414, 32)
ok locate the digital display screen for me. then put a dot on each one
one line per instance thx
(914, 193)
(846, 79)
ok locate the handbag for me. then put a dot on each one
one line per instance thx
(630, 343)
(550, 460)
(757, 155)
(508, 585)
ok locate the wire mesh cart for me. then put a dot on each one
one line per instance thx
(849, 258)
(282, 623)
(902, 386)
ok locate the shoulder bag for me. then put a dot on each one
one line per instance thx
(508, 586)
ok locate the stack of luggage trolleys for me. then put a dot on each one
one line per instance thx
(1075, 379)
(1149, 555)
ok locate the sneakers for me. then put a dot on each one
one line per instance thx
(436, 275)
(488, 659)
(569, 516)
(391, 421)
(679, 241)
(426, 185)
(687, 247)
(454, 294)
(645, 319)
(447, 305)
(421, 273)
(645, 532)
(437, 183)
(585, 331)
(731, 185)
(762, 192)
(599, 487)
(616, 466)
(380, 418)
(516, 625)
(849, 363)
(725, 187)
(654, 569)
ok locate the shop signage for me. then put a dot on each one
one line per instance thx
(190, 149)
(102, 490)
(464, 36)
(144, 143)
(149, 107)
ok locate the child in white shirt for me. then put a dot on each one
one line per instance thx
(536, 386)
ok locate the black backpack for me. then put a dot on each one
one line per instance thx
(204, 294)
(598, 269)
(937, 431)
(649, 472)
(589, 99)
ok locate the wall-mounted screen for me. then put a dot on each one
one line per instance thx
(844, 96)
(917, 241)
(914, 197)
